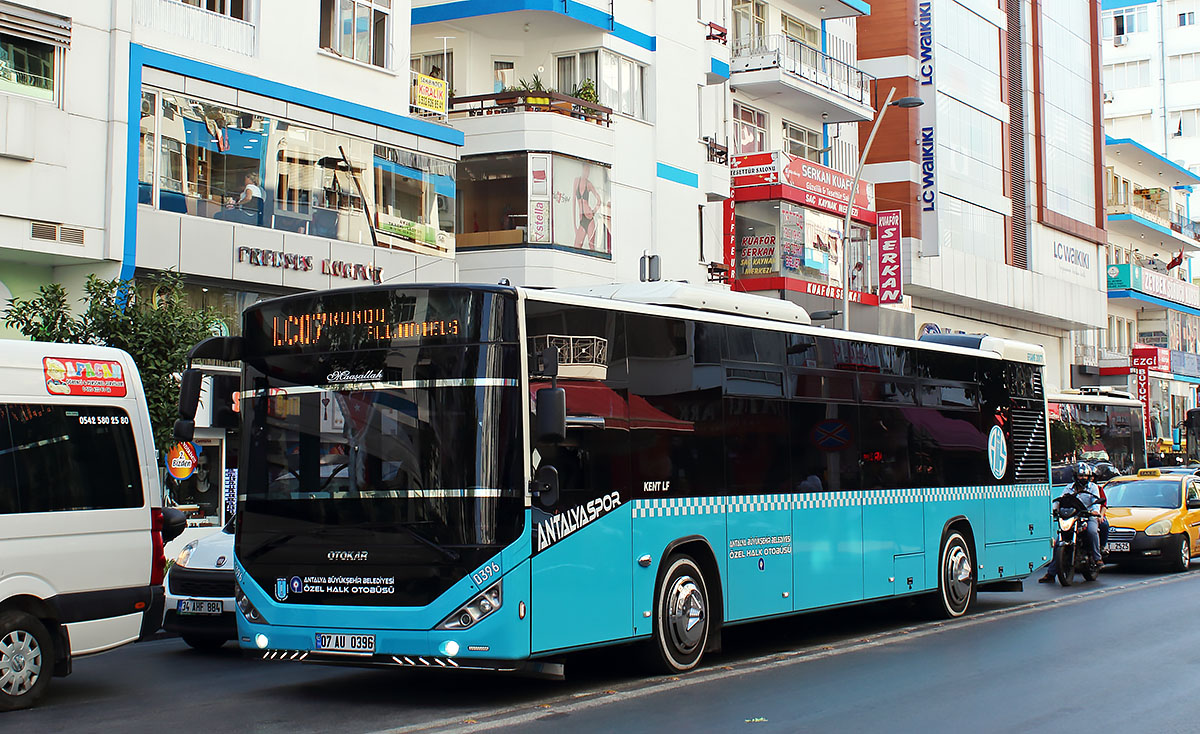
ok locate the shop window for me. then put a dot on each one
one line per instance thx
(356, 29)
(28, 67)
(234, 165)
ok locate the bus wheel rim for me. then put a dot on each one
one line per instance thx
(20, 662)
(958, 575)
(686, 615)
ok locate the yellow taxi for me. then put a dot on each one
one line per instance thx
(1154, 515)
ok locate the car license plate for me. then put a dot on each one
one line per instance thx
(332, 642)
(199, 606)
(1115, 547)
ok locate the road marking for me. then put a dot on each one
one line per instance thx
(584, 700)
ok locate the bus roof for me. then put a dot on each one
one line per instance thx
(1086, 399)
(995, 348)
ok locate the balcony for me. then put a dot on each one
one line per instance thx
(196, 24)
(517, 19)
(715, 181)
(506, 122)
(1142, 219)
(800, 78)
(716, 56)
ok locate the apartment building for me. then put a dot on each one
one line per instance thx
(594, 134)
(1150, 50)
(999, 174)
(273, 152)
(1153, 306)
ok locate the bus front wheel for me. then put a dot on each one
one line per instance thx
(681, 616)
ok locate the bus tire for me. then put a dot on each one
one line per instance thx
(681, 617)
(26, 660)
(956, 577)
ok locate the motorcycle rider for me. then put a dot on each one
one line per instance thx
(1093, 499)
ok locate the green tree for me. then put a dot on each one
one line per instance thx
(152, 320)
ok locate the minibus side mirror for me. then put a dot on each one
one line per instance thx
(174, 522)
(1193, 503)
(545, 485)
(551, 415)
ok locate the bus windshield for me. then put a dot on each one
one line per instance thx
(1097, 433)
(405, 455)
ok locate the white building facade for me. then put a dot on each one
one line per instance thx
(1151, 57)
(257, 148)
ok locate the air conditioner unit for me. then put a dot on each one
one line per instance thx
(1108, 96)
(1120, 40)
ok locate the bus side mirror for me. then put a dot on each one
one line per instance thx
(174, 522)
(189, 400)
(551, 415)
(545, 485)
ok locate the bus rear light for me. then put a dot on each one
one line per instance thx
(482, 605)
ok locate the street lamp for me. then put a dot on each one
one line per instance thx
(906, 102)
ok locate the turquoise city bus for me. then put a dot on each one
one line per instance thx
(462, 476)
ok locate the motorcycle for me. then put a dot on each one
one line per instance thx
(1071, 552)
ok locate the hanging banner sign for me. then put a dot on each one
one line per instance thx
(429, 93)
(182, 460)
(927, 135)
(891, 276)
(729, 234)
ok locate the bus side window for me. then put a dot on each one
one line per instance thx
(594, 460)
(675, 409)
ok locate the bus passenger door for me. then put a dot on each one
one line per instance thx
(582, 572)
(582, 569)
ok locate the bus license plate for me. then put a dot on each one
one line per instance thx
(327, 642)
(1115, 547)
(199, 606)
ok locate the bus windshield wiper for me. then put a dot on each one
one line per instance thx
(419, 537)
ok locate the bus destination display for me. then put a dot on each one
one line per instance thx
(367, 325)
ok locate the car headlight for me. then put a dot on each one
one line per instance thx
(1162, 527)
(184, 555)
(468, 614)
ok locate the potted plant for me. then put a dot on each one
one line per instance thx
(586, 91)
(509, 97)
(535, 91)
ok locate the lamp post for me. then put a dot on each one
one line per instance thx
(906, 102)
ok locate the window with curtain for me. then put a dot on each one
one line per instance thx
(356, 29)
(749, 129)
(620, 82)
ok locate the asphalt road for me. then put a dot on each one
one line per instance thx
(1119, 653)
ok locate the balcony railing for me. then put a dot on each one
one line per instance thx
(1085, 354)
(717, 153)
(503, 102)
(806, 62)
(196, 24)
(1184, 226)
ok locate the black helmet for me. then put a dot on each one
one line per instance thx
(1084, 472)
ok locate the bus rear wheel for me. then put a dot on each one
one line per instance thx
(681, 617)
(956, 578)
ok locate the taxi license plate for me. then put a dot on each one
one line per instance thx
(1116, 547)
(199, 606)
(332, 642)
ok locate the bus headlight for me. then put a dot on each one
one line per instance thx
(470, 613)
(1162, 527)
(247, 609)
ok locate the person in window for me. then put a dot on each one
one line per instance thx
(248, 208)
